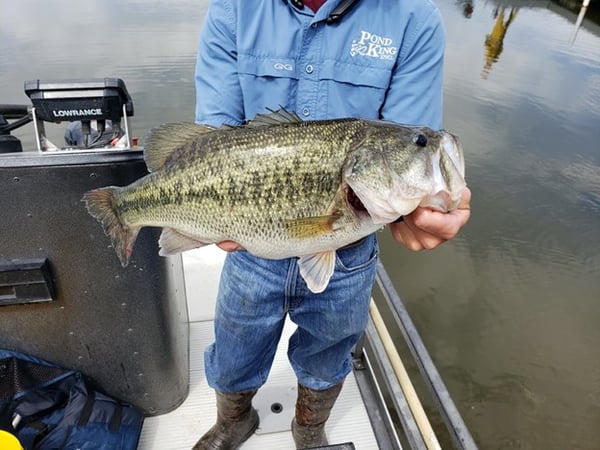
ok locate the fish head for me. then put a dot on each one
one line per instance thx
(395, 169)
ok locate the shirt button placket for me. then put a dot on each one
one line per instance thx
(308, 69)
(308, 84)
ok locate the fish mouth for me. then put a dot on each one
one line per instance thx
(355, 203)
(441, 201)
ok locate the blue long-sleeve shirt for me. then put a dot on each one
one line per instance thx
(383, 60)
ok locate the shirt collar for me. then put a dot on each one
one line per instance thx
(325, 11)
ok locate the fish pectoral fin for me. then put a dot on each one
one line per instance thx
(317, 270)
(172, 242)
(309, 227)
(163, 140)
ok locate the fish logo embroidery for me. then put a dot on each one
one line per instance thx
(373, 46)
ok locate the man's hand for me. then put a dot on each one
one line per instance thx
(425, 229)
(229, 246)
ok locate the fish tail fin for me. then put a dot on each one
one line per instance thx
(100, 205)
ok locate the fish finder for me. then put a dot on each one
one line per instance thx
(95, 108)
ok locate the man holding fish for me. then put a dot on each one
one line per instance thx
(375, 60)
(296, 195)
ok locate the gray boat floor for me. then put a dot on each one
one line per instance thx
(181, 428)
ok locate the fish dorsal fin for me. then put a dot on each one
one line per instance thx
(274, 117)
(163, 140)
(172, 242)
(310, 227)
(317, 270)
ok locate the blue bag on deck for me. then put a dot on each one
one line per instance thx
(48, 408)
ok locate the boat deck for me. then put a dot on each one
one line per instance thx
(181, 428)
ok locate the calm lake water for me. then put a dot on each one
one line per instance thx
(510, 310)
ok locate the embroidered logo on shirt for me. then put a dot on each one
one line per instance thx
(283, 66)
(373, 46)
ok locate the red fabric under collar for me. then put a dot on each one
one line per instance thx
(314, 4)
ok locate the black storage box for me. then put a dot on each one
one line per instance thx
(64, 296)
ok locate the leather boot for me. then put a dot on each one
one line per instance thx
(236, 421)
(312, 411)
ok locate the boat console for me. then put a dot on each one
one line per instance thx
(96, 111)
(64, 297)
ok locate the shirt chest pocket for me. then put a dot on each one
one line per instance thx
(354, 90)
(342, 89)
(266, 82)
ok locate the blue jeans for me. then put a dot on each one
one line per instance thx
(254, 297)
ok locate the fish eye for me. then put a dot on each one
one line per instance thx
(420, 140)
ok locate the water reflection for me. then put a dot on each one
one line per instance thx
(504, 13)
(580, 16)
(494, 40)
(510, 309)
(467, 7)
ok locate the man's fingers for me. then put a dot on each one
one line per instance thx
(427, 229)
(413, 238)
(229, 246)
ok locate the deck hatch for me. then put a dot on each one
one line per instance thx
(26, 282)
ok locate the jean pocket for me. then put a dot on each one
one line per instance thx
(359, 256)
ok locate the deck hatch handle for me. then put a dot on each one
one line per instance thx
(26, 282)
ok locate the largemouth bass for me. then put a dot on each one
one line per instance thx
(281, 187)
